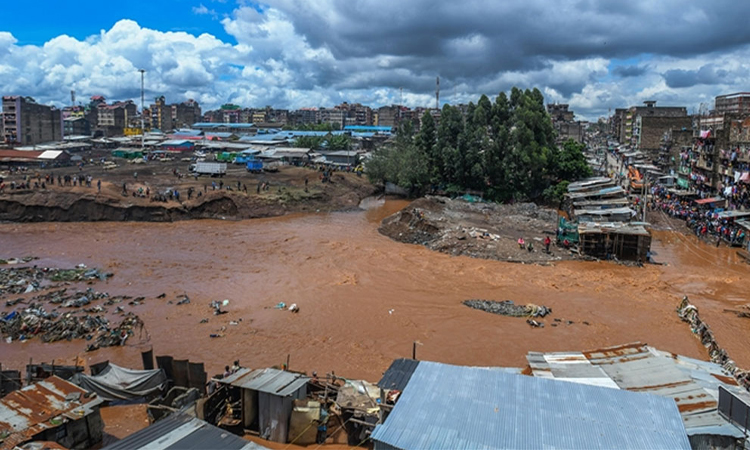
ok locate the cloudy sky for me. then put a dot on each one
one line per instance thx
(595, 55)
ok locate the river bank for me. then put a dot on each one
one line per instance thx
(236, 196)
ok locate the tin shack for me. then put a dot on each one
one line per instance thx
(267, 399)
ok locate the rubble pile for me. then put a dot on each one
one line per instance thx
(53, 326)
(71, 314)
(508, 308)
(24, 280)
(689, 313)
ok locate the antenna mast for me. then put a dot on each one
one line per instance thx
(437, 94)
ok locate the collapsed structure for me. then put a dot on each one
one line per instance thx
(601, 221)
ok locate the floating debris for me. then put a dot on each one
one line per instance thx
(508, 308)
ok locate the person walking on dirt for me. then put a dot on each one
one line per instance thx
(98, 186)
(547, 242)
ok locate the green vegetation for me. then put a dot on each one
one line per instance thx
(329, 142)
(505, 149)
(313, 127)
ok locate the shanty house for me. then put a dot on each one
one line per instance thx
(450, 407)
(183, 432)
(709, 399)
(268, 397)
(50, 410)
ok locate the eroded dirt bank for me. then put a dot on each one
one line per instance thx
(288, 192)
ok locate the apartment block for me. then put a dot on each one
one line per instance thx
(25, 122)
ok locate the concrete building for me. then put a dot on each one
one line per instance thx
(161, 115)
(185, 114)
(76, 126)
(738, 103)
(629, 123)
(389, 116)
(563, 120)
(26, 122)
(112, 119)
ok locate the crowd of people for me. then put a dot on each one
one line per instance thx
(705, 222)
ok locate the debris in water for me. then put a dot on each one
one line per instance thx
(508, 308)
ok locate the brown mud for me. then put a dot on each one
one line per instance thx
(365, 299)
(480, 230)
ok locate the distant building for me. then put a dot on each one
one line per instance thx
(389, 116)
(738, 103)
(563, 120)
(643, 126)
(185, 114)
(112, 119)
(304, 116)
(76, 126)
(26, 122)
(161, 115)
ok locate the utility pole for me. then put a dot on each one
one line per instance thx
(143, 120)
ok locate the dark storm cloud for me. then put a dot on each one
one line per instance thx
(513, 34)
(629, 71)
(678, 78)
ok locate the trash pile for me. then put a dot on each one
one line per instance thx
(62, 313)
(25, 280)
(23, 260)
(508, 308)
(53, 326)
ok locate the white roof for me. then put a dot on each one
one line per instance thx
(50, 154)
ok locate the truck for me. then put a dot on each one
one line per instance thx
(255, 166)
(214, 169)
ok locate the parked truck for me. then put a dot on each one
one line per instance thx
(214, 169)
(255, 166)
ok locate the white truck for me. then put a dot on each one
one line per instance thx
(215, 169)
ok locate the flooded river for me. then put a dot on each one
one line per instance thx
(365, 299)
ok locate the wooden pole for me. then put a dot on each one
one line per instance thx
(287, 360)
(414, 350)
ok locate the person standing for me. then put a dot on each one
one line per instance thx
(547, 242)
(98, 185)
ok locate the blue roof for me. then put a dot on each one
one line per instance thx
(368, 128)
(223, 125)
(455, 407)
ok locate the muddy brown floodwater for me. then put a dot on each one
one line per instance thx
(364, 299)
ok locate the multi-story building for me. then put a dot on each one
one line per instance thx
(304, 116)
(112, 119)
(76, 126)
(161, 115)
(563, 120)
(738, 103)
(26, 122)
(644, 126)
(185, 114)
(389, 116)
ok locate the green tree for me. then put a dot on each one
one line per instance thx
(571, 162)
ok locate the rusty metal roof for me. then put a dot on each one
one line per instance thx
(692, 384)
(40, 406)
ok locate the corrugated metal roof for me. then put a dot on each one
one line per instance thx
(692, 384)
(28, 411)
(271, 381)
(398, 374)
(453, 407)
(180, 431)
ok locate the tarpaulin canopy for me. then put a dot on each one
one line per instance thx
(703, 201)
(119, 383)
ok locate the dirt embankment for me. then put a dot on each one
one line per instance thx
(480, 230)
(288, 192)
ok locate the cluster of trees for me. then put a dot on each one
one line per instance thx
(313, 127)
(504, 149)
(328, 142)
